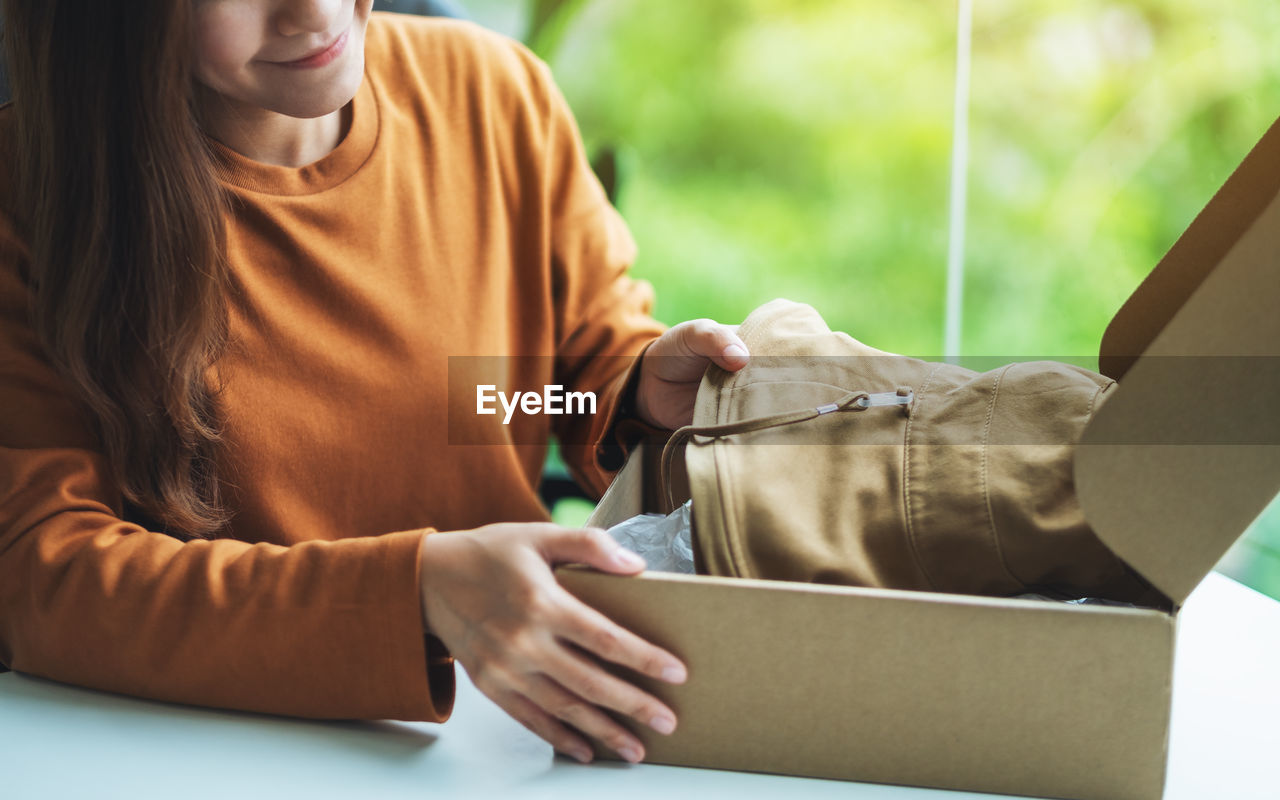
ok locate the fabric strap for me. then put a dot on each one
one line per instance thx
(853, 401)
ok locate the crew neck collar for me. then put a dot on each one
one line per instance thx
(332, 169)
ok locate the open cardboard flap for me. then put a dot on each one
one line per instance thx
(1186, 453)
(1216, 229)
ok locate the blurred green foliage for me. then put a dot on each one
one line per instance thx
(801, 148)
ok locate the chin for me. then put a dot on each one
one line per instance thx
(308, 105)
(308, 94)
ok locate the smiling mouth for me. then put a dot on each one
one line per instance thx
(320, 58)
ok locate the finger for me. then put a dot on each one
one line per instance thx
(591, 546)
(544, 725)
(586, 679)
(597, 634)
(720, 343)
(554, 699)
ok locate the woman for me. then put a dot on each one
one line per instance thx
(240, 241)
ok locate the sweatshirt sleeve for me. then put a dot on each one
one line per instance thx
(326, 629)
(603, 314)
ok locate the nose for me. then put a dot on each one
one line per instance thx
(306, 16)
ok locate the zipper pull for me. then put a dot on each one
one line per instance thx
(902, 397)
(860, 401)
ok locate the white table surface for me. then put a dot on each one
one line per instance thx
(58, 741)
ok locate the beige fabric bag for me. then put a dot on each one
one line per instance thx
(825, 460)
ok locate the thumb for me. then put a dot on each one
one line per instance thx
(591, 546)
(707, 339)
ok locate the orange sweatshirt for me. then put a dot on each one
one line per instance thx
(458, 217)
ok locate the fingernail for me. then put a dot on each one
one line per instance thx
(674, 674)
(583, 754)
(627, 558)
(736, 351)
(629, 753)
(663, 725)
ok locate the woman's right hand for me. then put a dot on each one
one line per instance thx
(490, 596)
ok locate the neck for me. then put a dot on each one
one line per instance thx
(269, 137)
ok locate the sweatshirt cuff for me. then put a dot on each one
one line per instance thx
(421, 669)
(623, 427)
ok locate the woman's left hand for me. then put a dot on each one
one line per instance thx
(673, 365)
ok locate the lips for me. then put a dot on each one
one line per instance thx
(320, 57)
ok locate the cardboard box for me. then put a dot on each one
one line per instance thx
(991, 694)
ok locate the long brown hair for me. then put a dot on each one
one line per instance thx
(124, 218)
